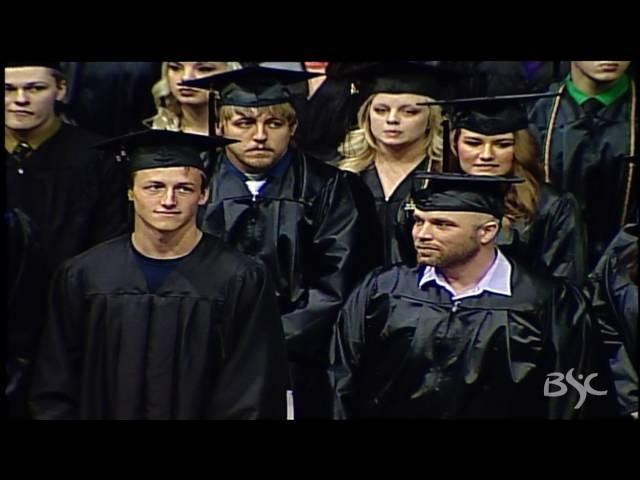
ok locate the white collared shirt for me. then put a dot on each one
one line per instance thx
(496, 280)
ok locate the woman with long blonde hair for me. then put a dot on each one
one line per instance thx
(182, 108)
(395, 139)
(541, 228)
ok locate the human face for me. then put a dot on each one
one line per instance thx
(485, 154)
(263, 138)
(180, 71)
(396, 120)
(167, 199)
(445, 239)
(600, 71)
(30, 95)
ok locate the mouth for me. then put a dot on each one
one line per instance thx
(21, 113)
(260, 151)
(486, 165)
(169, 214)
(393, 132)
(187, 92)
(609, 67)
(427, 249)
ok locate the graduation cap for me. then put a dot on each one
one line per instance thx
(431, 79)
(254, 86)
(53, 65)
(489, 104)
(164, 148)
(461, 192)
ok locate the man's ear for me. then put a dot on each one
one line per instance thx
(294, 127)
(204, 197)
(61, 86)
(130, 195)
(488, 232)
(219, 129)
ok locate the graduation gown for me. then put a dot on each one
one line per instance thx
(311, 226)
(76, 196)
(208, 344)
(614, 297)
(324, 118)
(394, 222)
(26, 305)
(554, 239)
(402, 351)
(584, 161)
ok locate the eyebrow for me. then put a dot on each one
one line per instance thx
(28, 84)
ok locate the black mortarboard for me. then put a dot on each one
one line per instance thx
(461, 192)
(164, 148)
(53, 65)
(489, 105)
(253, 86)
(432, 79)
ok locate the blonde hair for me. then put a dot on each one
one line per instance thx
(280, 110)
(360, 146)
(169, 110)
(522, 198)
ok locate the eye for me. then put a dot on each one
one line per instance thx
(274, 123)
(174, 67)
(184, 189)
(380, 110)
(37, 88)
(153, 188)
(411, 112)
(207, 69)
(9, 88)
(471, 142)
(505, 145)
(245, 123)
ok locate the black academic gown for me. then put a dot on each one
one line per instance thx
(554, 240)
(324, 118)
(312, 227)
(584, 160)
(207, 344)
(75, 195)
(614, 297)
(111, 98)
(402, 351)
(26, 306)
(395, 223)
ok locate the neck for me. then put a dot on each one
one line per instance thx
(586, 84)
(314, 84)
(466, 276)
(166, 245)
(34, 137)
(195, 118)
(408, 154)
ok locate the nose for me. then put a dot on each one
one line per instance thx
(22, 97)
(169, 199)
(260, 133)
(392, 117)
(187, 74)
(487, 152)
(424, 232)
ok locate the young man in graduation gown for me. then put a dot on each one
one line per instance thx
(468, 333)
(583, 134)
(167, 322)
(73, 194)
(310, 223)
(613, 290)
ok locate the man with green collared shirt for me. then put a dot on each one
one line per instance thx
(583, 135)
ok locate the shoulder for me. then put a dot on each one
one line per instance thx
(227, 260)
